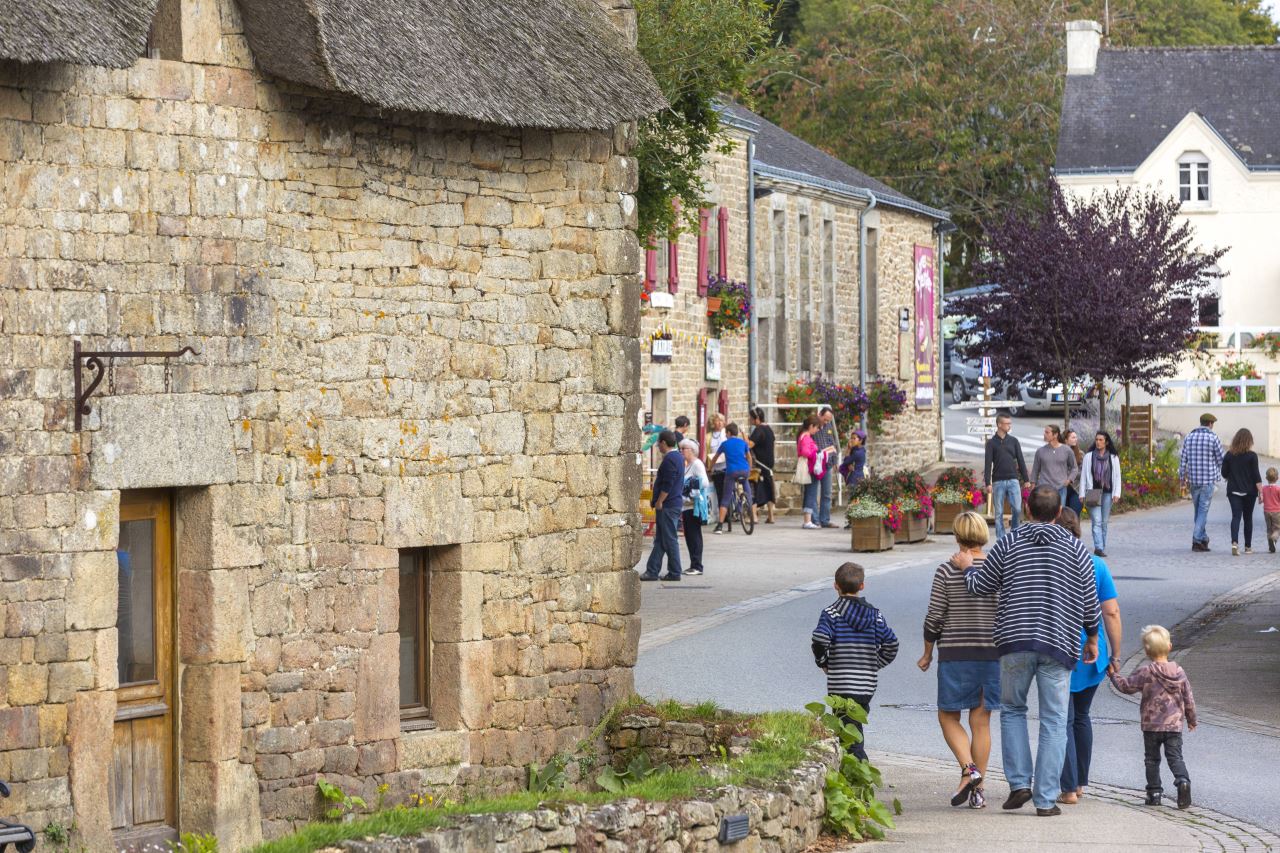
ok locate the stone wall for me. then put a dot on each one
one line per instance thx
(412, 333)
(669, 742)
(671, 389)
(784, 817)
(911, 439)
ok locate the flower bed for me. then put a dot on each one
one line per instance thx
(1148, 483)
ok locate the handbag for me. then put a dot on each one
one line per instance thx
(802, 477)
(1093, 498)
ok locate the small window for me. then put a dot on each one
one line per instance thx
(1193, 179)
(415, 634)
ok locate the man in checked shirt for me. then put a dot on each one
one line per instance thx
(1199, 468)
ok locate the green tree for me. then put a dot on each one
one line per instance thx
(699, 51)
(1174, 23)
(956, 102)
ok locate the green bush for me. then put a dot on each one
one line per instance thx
(852, 807)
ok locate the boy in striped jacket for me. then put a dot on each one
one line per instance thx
(852, 643)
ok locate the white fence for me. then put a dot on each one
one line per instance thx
(774, 411)
(1215, 392)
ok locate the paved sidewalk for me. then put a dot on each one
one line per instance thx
(1240, 628)
(763, 571)
(1108, 818)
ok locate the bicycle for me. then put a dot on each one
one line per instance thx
(740, 508)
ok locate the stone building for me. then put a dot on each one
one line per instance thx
(317, 383)
(807, 213)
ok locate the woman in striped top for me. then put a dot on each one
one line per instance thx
(960, 625)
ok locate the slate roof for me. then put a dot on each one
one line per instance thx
(1113, 119)
(776, 149)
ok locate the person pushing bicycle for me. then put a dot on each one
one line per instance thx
(737, 468)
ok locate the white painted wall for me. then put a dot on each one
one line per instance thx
(1243, 214)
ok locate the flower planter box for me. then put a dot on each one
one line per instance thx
(912, 529)
(944, 516)
(870, 534)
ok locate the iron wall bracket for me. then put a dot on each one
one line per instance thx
(93, 360)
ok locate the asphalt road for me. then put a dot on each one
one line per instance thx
(762, 661)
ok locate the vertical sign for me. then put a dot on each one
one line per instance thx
(926, 379)
(713, 359)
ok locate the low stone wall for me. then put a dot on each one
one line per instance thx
(784, 816)
(671, 742)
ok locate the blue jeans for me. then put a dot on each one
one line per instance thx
(1099, 516)
(1201, 495)
(1075, 767)
(665, 542)
(1003, 491)
(811, 498)
(824, 506)
(1053, 687)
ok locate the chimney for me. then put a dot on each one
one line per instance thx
(1084, 38)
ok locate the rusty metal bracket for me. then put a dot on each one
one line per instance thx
(93, 361)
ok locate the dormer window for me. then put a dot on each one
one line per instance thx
(1193, 179)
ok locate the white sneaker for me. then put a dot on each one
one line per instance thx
(809, 525)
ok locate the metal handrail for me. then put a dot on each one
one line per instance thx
(815, 406)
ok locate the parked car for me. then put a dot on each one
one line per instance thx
(964, 376)
(1044, 398)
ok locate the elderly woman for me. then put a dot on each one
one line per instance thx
(696, 507)
(961, 626)
(1086, 677)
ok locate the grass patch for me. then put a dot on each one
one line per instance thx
(784, 740)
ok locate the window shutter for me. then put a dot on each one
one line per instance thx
(650, 266)
(673, 263)
(704, 220)
(724, 402)
(722, 262)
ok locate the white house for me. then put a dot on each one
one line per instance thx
(1202, 123)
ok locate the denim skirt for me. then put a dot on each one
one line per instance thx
(966, 684)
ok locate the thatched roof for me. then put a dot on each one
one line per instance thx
(86, 32)
(522, 63)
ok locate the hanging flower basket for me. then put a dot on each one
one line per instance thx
(732, 302)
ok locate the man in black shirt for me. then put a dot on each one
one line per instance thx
(1004, 471)
(682, 428)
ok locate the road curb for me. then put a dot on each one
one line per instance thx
(1194, 628)
(1214, 830)
(727, 613)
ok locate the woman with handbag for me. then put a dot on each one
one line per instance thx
(1100, 483)
(810, 466)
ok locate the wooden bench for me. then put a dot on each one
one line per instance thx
(20, 836)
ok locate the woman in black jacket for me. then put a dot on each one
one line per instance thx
(1240, 470)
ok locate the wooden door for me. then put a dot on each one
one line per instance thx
(142, 762)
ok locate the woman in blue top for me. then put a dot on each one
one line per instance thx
(737, 465)
(1087, 676)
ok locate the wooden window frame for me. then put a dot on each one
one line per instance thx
(418, 715)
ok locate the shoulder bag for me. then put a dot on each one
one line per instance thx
(802, 477)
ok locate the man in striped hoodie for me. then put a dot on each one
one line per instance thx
(852, 643)
(1047, 593)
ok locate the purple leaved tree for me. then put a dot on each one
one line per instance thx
(1089, 288)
